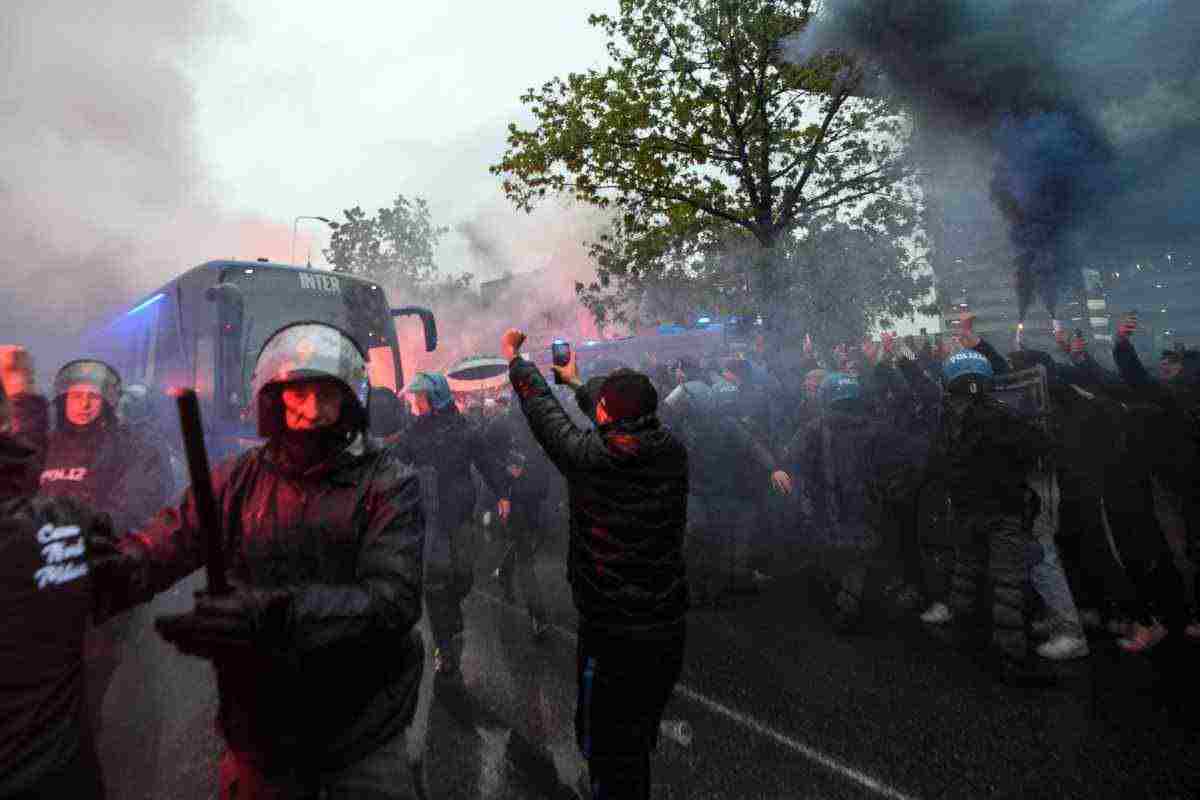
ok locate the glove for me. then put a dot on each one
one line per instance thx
(245, 620)
(118, 573)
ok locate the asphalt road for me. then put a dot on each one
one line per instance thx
(779, 706)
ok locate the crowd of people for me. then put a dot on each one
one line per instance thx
(1067, 492)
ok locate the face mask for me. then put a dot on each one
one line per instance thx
(307, 448)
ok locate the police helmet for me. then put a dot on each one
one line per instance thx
(691, 398)
(838, 387)
(968, 372)
(435, 387)
(310, 351)
(92, 372)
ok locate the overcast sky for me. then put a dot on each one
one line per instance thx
(308, 108)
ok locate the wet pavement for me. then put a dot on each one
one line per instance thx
(778, 706)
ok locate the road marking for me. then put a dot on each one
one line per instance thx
(763, 729)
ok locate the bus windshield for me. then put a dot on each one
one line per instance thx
(275, 298)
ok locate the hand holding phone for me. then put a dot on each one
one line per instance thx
(560, 355)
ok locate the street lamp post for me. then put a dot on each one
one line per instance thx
(296, 222)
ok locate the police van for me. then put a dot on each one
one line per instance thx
(205, 328)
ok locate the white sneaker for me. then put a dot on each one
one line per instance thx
(1064, 647)
(937, 614)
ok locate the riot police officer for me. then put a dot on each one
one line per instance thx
(317, 660)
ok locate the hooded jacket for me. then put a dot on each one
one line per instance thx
(46, 594)
(344, 539)
(109, 467)
(627, 484)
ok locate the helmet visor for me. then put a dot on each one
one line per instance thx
(311, 351)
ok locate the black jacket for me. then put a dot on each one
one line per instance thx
(110, 468)
(1175, 428)
(46, 594)
(627, 484)
(345, 539)
(450, 443)
(985, 453)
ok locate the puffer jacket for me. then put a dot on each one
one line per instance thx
(450, 443)
(627, 485)
(109, 467)
(46, 594)
(345, 540)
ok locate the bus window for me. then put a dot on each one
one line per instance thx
(170, 366)
(205, 367)
(381, 368)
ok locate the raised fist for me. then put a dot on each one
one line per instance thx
(889, 341)
(510, 343)
(16, 369)
(870, 351)
(1128, 325)
(966, 330)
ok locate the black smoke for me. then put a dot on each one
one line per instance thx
(1089, 110)
(104, 192)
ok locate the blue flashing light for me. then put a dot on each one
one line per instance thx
(704, 321)
(145, 305)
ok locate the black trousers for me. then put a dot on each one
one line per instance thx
(80, 779)
(1097, 580)
(625, 678)
(1149, 563)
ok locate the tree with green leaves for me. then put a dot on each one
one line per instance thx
(704, 133)
(394, 247)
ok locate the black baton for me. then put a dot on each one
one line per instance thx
(202, 490)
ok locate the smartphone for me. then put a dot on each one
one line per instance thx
(560, 355)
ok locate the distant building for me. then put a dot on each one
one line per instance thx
(1164, 289)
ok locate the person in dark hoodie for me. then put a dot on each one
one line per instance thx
(46, 749)
(441, 439)
(627, 481)
(316, 656)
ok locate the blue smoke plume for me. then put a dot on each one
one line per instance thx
(1089, 109)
